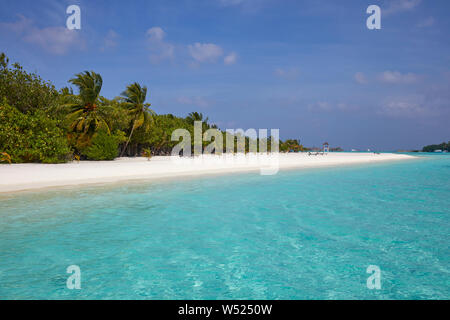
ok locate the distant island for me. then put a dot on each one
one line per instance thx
(443, 147)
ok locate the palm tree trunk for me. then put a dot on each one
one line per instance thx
(128, 141)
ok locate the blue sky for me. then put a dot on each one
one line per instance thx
(310, 68)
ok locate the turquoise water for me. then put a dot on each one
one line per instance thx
(307, 234)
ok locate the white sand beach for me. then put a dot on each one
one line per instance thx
(19, 177)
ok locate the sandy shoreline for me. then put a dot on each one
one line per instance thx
(20, 177)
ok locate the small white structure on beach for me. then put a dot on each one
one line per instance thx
(326, 147)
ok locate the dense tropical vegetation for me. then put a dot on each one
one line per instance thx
(291, 145)
(433, 147)
(39, 123)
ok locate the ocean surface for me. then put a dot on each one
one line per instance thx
(304, 234)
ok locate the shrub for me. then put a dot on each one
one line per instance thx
(431, 148)
(4, 157)
(147, 153)
(104, 146)
(27, 92)
(31, 137)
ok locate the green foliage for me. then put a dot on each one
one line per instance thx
(147, 153)
(31, 137)
(195, 116)
(40, 124)
(291, 145)
(25, 91)
(4, 157)
(85, 114)
(90, 84)
(134, 101)
(104, 146)
(159, 137)
(443, 146)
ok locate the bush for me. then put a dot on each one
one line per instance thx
(104, 146)
(27, 92)
(431, 148)
(31, 137)
(4, 157)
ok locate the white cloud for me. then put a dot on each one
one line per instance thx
(164, 52)
(246, 5)
(343, 106)
(434, 101)
(320, 106)
(401, 107)
(396, 6)
(110, 41)
(396, 77)
(360, 78)
(195, 101)
(404, 106)
(327, 106)
(56, 40)
(205, 52)
(231, 2)
(287, 73)
(227, 124)
(156, 34)
(19, 26)
(428, 22)
(160, 50)
(230, 59)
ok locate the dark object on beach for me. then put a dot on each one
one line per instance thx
(316, 153)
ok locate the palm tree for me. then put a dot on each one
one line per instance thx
(195, 116)
(134, 98)
(85, 114)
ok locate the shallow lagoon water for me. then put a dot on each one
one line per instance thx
(304, 234)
